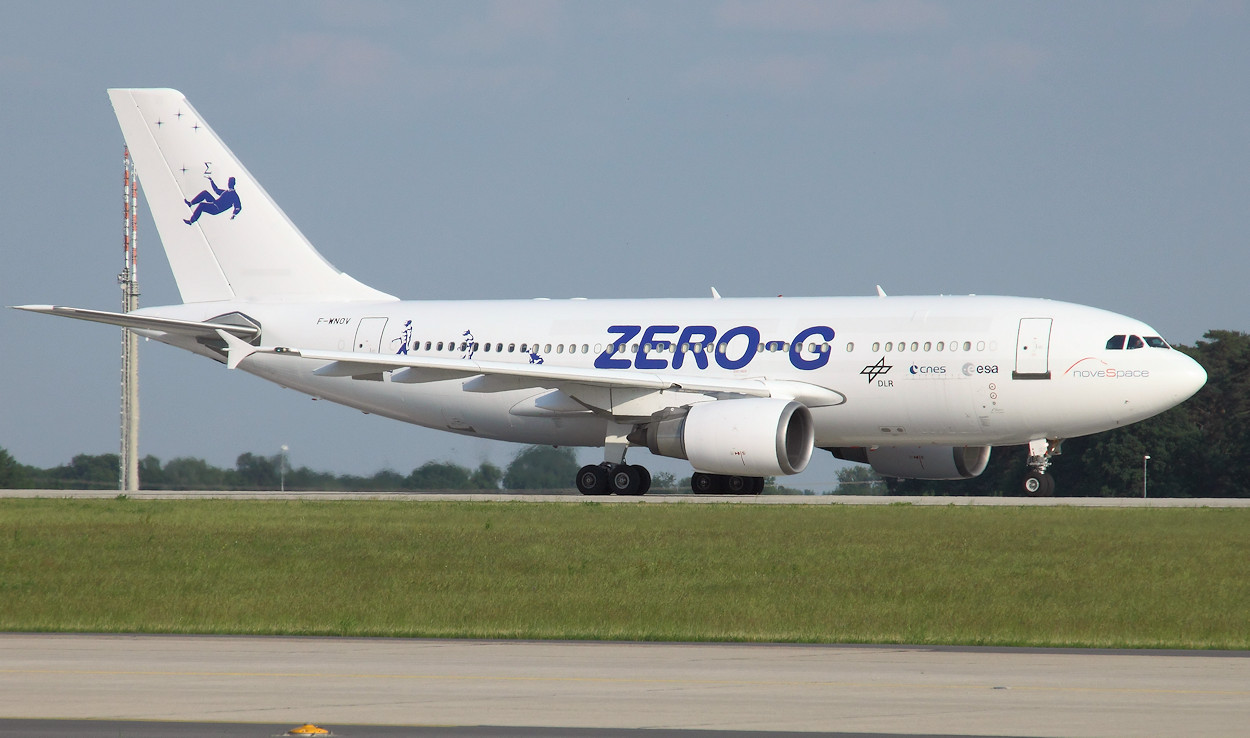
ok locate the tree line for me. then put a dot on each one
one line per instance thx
(1198, 449)
(534, 467)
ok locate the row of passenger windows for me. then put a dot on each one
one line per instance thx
(721, 348)
(928, 346)
(573, 348)
(1118, 342)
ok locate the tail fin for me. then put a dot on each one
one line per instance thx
(224, 237)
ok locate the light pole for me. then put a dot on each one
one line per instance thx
(1144, 459)
(282, 466)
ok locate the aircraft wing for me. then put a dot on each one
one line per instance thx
(144, 322)
(494, 376)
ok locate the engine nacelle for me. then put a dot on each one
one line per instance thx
(756, 437)
(921, 462)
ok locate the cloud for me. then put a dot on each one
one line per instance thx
(503, 24)
(779, 74)
(800, 16)
(1177, 16)
(336, 63)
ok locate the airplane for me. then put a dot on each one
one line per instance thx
(742, 388)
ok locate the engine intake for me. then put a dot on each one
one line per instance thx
(750, 437)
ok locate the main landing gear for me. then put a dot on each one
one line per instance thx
(617, 479)
(1036, 482)
(711, 484)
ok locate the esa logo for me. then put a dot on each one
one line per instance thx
(731, 349)
(971, 370)
(928, 371)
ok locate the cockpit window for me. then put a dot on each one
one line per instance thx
(1156, 342)
(1135, 342)
(1115, 343)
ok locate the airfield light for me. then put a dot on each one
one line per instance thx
(1144, 459)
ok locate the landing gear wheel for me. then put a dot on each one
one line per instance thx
(757, 486)
(644, 480)
(704, 484)
(736, 485)
(624, 480)
(1037, 484)
(592, 480)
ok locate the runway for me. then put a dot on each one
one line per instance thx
(601, 687)
(659, 499)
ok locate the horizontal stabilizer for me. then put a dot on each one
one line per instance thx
(145, 322)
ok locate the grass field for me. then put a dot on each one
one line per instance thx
(1166, 578)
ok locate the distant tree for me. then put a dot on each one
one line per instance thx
(12, 474)
(252, 471)
(487, 476)
(438, 475)
(87, 471)
(663, 480)
(188, 473)
(541, 467)
(383, 481)
(860, 479)
(151, 475)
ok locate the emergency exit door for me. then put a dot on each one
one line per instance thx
(1033, 349)
(369, 335)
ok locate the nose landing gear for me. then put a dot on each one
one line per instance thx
(1036, 482)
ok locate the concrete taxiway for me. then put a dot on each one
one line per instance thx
(593, 685)
(573, 497)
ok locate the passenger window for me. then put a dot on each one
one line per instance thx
(512, 348)
(941, 346)
(850, 346)
(1135, 342)
(889, 346)
(486, 347)
(967, 345)
(1115, 343)
(548, 349)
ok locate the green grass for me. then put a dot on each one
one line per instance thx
(1165, 578)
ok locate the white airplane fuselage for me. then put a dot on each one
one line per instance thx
(940, 370)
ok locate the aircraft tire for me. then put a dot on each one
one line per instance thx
(624, 480)
(1037, 484)
(757, 486)
(704, 484)
(644, 480)
(592, 480)
(736, 485)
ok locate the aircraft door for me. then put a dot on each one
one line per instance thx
(1033, 349)
(369, 335)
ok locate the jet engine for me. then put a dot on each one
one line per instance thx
(756, 437)
(920, 462)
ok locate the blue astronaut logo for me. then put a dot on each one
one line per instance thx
(214, 204)
(534, 357)
(404, 339)
(469, 346)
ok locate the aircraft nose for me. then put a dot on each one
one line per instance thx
(1189, 378)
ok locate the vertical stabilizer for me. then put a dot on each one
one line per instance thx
(224, 237)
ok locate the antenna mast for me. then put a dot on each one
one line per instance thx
(129, 281)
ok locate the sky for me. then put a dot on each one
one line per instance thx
(1093, 152)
